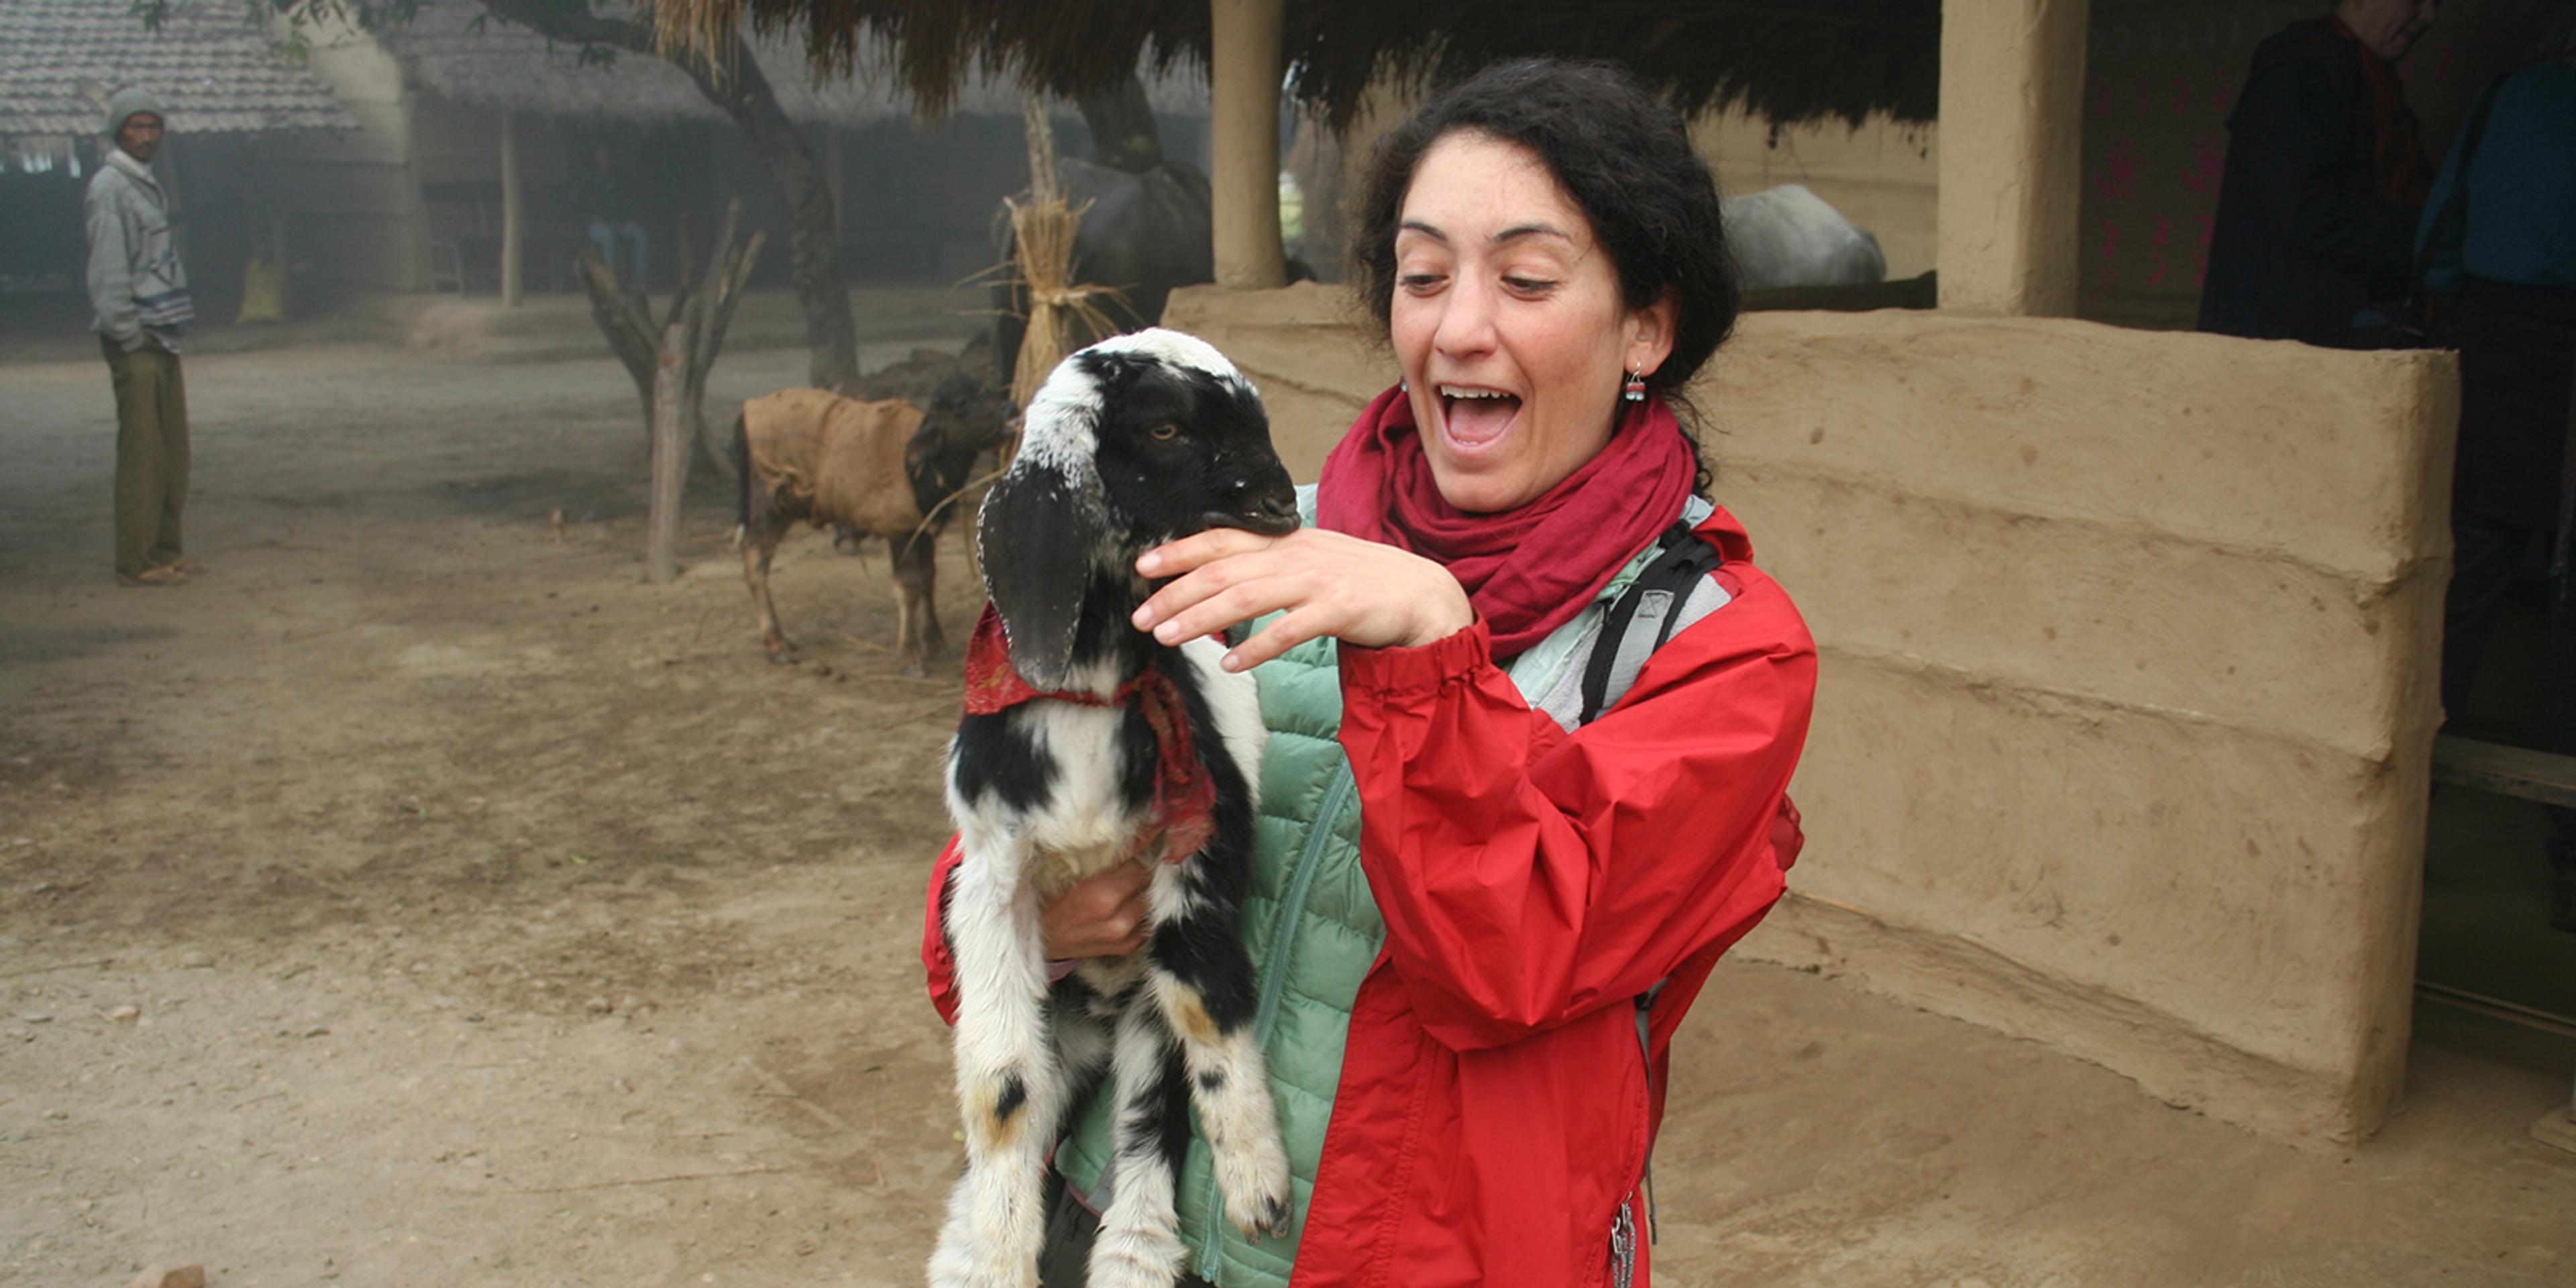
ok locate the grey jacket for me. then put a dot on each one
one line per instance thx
(135, 280)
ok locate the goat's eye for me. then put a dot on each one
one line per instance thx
(1165, 432)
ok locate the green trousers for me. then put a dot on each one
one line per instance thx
(151, 455)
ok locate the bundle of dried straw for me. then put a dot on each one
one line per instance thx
(1063, 316)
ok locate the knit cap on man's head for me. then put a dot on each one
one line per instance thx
(127, 102)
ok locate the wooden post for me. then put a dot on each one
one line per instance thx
(514, 223)
(1244, 71)
(2012, 144)
(670, 455)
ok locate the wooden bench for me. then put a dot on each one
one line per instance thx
(2532, 775)
(2507, 771)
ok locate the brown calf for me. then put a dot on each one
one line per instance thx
(876, 468)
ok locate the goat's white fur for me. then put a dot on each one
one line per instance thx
(1017, 859)
(995, 1225)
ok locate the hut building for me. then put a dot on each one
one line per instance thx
(238, 113)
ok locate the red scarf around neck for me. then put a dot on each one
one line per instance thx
(1527, 570)
(2400, 169)
(1184, 807)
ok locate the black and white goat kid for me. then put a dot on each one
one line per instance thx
(1094, 746)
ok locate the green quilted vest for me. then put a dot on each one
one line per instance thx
(1312, 927)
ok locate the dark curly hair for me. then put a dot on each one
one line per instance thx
(1625, 160)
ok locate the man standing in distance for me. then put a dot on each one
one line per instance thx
(2314, 236)
(141, 295)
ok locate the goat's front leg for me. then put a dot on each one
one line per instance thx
(1139, 1244)
(1010, 1086)
(761, 533)
(1200, 977)
(916, 625)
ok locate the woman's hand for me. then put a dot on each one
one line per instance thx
(1102, 915)
(1356, 591)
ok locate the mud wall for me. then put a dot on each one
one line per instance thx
(2126, 714)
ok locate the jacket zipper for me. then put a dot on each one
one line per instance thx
(1292, 906)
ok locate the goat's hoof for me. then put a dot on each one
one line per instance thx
(1273, 1218)
(782, 653)
(1258, 1215)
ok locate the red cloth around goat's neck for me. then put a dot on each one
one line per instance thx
(1526, 570)
(1184, 805)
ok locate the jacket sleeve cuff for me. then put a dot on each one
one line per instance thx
(1385, 673)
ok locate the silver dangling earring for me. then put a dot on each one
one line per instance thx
(1635, 388)
(1404, 386)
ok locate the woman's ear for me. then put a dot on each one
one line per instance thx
(1650, 332)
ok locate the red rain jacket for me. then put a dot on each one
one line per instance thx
(1493, 1112)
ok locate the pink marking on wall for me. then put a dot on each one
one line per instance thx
(2119, 170)
(2164, 233)
(2208, 162)
(2182, 96)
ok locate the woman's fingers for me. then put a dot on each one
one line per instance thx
(1102, 915)
(1331, 584)
(1174, 558)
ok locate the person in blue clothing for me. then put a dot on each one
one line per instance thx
(607, 203)
(2326, 171)
(2498, 242)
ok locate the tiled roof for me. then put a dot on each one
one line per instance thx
(61, 59)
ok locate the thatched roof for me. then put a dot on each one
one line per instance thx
(1784, 60)
(61, 59)
(448, 49)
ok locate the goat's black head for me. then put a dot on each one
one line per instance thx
(975, 412)
(1135, 441)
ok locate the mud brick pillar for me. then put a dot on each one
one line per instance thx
(1244, 71)
(2012, 140)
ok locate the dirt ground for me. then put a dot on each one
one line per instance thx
(418, 898)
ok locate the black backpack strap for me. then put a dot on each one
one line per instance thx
(1642, 617)
(1637, 623)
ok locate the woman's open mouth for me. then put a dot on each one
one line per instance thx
(1472, 416)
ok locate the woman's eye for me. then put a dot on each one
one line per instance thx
(1421, 281)
(1528, 285)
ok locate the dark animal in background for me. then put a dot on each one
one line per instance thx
(1789, 236)
(1144, 234)
(884, 469)
(1087, 744)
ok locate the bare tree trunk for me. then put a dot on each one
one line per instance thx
(670, 372)
(738, 87)
(670, 457)
(514, 222)
(813, 230)
(627, 321)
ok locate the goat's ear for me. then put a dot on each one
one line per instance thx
(1038, 531)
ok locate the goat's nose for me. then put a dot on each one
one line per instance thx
(1278, 506)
